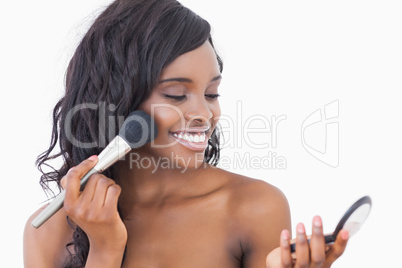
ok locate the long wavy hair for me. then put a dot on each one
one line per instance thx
(113, 70)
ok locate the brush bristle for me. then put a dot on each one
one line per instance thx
(138, 129)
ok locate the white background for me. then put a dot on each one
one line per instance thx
(281, 58)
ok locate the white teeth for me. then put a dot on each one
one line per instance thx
(202, 137)
(191, 137)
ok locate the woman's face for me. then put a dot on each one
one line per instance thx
(185, 107)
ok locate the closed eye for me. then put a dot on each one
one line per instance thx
(175, 97)
(212, 96)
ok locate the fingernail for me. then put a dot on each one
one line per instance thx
(345, 235)
(93, 158)
(285, 238)
(300, 232)
(317, 225)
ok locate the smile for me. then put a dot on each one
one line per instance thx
(191, 137)
(196, 140)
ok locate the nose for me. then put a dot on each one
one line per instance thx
(199, 111)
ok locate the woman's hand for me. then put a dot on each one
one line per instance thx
(95, 211)
(308, 255)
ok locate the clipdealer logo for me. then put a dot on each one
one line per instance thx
(320, 134)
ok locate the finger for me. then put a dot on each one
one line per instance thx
(273, 259)
(72, 185)
(302, 247)
(88, 194)
(112, 197)
(317, 244)
(74, 176)
(338, 247)
(286, 256)
(100, 193)
(63, 182)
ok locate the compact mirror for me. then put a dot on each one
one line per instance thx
(351, 221)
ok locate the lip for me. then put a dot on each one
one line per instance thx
(194, 146)
(193, 130)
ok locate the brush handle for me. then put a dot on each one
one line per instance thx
(115, 150)
(57, 203)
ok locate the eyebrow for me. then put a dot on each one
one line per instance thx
(186, 80)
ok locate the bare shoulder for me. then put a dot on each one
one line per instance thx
(261, 211)
(46, 245)
(255, 195)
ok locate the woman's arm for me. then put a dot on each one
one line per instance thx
(45, 247)
(94, 210)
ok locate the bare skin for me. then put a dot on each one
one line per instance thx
(189, 214)
(210, 221)
(216, 225)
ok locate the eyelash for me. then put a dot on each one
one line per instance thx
(183, 97)
(212, 96)
(176, 97)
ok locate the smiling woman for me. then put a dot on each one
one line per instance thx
(158, 56)
(185, 105)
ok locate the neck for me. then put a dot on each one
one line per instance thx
(153, 185)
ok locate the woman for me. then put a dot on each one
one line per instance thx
(178, 209)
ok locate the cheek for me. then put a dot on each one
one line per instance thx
(167, 116)
(164, 114)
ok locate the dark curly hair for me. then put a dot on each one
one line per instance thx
(117, 64)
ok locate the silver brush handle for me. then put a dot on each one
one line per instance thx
(115, 150)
